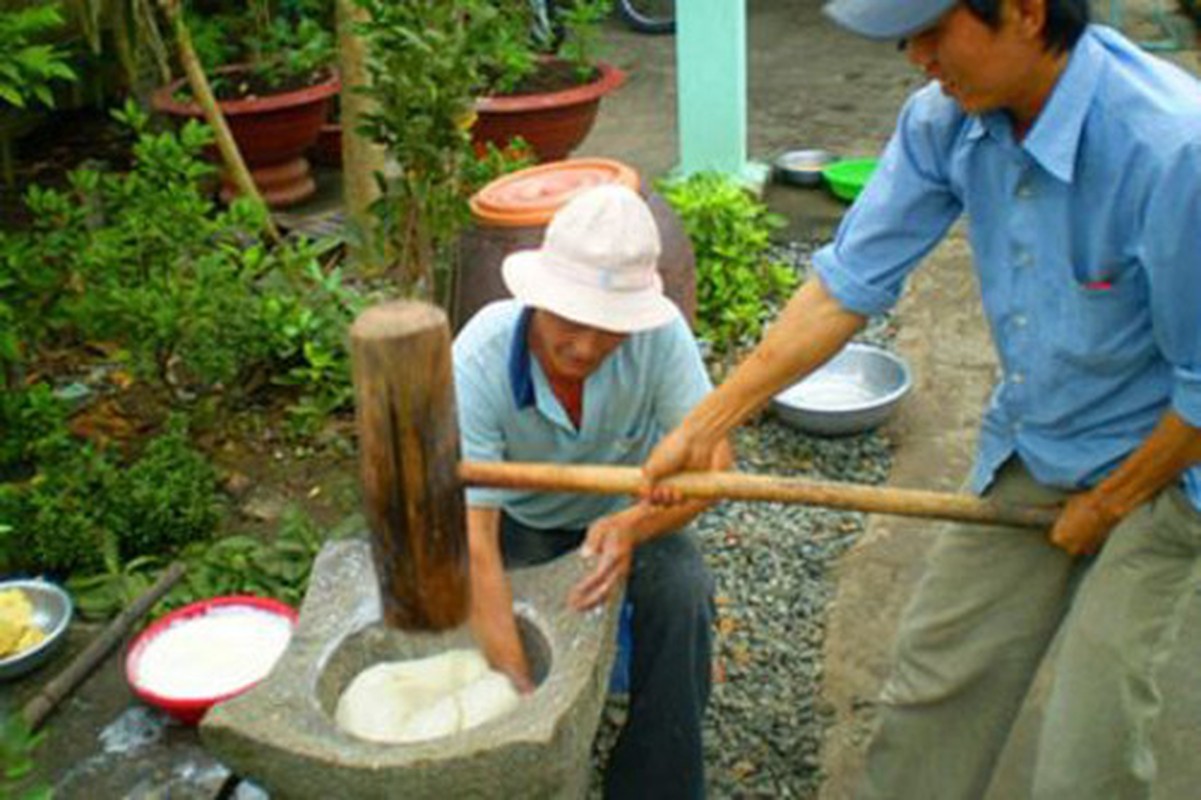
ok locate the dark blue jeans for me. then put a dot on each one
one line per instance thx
(658, 753)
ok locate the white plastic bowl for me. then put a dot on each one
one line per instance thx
(226, 677)
(855, 391)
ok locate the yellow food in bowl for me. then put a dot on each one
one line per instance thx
(17, 629)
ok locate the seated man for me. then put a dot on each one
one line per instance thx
(591, 363)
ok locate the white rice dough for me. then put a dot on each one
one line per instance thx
(400, 702)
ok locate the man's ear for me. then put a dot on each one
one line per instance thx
(1031, 16)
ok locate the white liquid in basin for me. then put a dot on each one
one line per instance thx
(219, 652)
(829, 393)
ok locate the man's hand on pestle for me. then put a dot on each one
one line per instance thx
(610, 544)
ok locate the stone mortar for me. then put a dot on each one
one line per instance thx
(282, 735)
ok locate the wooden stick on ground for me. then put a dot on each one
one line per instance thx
(37, 709)
(771, 488)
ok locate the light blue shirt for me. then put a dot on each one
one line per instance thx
(1087, 245)
(507, 411)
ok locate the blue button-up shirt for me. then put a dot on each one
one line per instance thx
(508, 412)
(1087, 245)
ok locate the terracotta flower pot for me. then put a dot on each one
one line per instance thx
(553, 123)
(272, 132)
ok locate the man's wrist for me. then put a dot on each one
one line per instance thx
(1107, 506)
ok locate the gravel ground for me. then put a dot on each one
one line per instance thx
(774, 569)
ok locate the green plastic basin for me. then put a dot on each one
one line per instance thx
(847, 178)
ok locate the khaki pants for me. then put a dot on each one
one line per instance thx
(998, 605)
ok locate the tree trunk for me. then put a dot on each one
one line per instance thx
(361, 158)
(203, 94)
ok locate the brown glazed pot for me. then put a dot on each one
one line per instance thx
(553, 123)
(272, 133)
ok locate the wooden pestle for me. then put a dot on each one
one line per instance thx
(772, 488)
(409, 446)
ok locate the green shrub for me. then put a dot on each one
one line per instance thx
(26, 418)
(236, 564)
(28, 69)
(738, 283)
(81, 511)
(59, 516)
(167, 499)
(191, 293)
(284, 45)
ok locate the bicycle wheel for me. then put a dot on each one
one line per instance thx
(649, 16)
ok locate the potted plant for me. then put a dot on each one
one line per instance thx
(543, 81)
(423, 71)
(273, 78)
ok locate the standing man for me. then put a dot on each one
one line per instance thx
(1076, 158)
(591, 363)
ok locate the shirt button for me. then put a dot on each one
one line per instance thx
(1024, 259)
(1017, 377)
(1025, 191)
(1017, 426)
(1020, 321)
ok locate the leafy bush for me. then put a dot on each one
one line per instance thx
(737, 280)
(27, 418)
(28, 69)
(167, 499)
(284, 45)
(188, 295)
(17, 746)
(192, 293)
(236, 564)
(424, 69)
(60, 516)
(80, 510)
(509, 36)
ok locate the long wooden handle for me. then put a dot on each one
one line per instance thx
(596, 479)
(38, 708)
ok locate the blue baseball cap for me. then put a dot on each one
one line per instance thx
(887, 19)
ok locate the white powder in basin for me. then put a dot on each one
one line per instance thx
(213, 654)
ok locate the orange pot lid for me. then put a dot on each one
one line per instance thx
(530, 197)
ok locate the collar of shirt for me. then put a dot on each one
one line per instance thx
(529, 384)
(521, 379)
(1054, 139)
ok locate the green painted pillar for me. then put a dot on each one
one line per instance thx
(711, 78)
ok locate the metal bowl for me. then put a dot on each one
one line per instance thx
(855, 391)
(51, 612)
(803, 167)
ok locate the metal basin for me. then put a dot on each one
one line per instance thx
(855, 391)
(803, 167)
(51, 612)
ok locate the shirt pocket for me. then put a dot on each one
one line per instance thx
(1106, 317)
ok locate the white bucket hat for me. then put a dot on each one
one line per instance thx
(597, 265)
